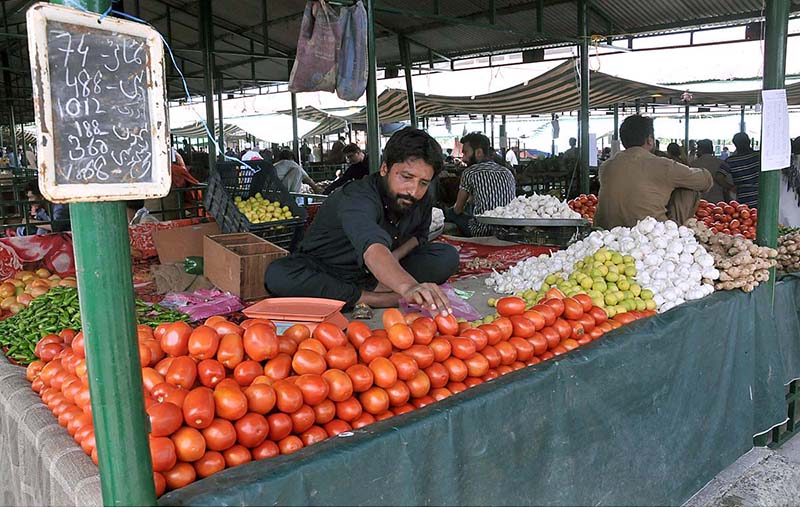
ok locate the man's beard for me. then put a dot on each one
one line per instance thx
(395, 204)
(472, 160)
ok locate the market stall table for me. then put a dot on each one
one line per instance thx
(650, 413)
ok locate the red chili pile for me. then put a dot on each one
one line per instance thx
(584, 204)
(728, 218)
(222, 394)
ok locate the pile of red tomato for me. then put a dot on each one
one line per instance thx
(584, 204)
(223, 394)
(728, 218)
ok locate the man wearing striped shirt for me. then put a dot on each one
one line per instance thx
(744, 167)
(485, 185)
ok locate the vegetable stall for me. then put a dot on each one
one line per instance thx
(630, 357)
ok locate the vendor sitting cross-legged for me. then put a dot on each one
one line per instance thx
(369, 241)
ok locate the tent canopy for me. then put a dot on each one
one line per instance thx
(197, 130)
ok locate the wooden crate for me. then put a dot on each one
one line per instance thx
(237, 262)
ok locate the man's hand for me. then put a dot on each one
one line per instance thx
(430, 296)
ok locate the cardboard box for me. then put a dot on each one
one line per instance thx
(175, 245)
(237, 263)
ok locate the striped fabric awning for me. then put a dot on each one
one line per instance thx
(198, 130)
(30, 136)
(329, 125)
(557, 90)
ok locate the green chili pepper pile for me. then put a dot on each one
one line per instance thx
(57, 310)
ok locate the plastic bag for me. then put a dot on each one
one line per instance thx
(315, 64)
(203, 303)
(351, 79)
(461, 309)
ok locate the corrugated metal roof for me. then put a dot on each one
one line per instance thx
(237, 25)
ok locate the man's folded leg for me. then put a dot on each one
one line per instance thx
(298, 276)
(431, 262)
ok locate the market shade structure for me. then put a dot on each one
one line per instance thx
(198, 129)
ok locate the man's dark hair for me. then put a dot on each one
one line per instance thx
(635, 130)
(413, 144)
(572, 142)
(742, 142)
(351, 149)
(674, 150)
(286, 155)
(705, 147)
(477, 140)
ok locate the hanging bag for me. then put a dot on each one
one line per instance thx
(315, 64)
(352, 76)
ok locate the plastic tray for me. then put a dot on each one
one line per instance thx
(295, 309)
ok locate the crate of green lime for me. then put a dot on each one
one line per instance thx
(57, 310)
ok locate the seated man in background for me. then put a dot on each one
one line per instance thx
(369, 241)
(291, 174)
(484, 183)
(359, 168)
(637, 184)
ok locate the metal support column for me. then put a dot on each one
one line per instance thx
(491, 143)
(373, 123)
(616, 122)
(484, 124)
(742, 124)
(777, 20)
(207, 45)
(112, 354)
(221, 122)
(583, 24)
(405, 56)
(686, 131)
(295, 140)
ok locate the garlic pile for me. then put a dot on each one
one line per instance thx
(742, 263)
(789, 252)
(534, 206)
(669, 262)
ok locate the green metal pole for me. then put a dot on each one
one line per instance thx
(742, 124)
(373, 132)
(583, 24)
(686, 130)
(616, 122)
(109, 325)
(207, 45)
(777, 20)
(405, 55)
(221, 116)
(295, 140)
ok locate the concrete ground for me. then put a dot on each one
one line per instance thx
(762, 477)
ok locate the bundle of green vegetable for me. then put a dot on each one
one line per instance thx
(57, 310)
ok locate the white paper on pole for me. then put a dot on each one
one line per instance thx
(592, 150)
(775, 143)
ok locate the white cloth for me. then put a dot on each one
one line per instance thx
(511, 158)
(291, 174)
(251, 155)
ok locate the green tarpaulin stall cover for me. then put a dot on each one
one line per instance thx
(644, 416)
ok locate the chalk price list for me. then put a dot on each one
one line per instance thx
(100, 106)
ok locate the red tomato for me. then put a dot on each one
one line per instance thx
(210, 463)
(314, 388)
(337, 426)
(462, 348)
(313, 435)
(210, 372)
(330, 335)
(287, 346)
(267, 449)
(405, 365)
(392, 316)
(261, 398)
(508, 353)
(341, 357)
(150, 377)
(539, 343)
(509, 306)
(341, 387)
(399, 394)
(548, 312)
(182, 372)
(175, 340)
(230, 351)
(437, 374)
(203, 342)
(422, 354)
(297, 333)
(576, 330)
(280, 426)
(536, 317)
(162, 393)
(189, 444)
(364, 420)
(348, 410)
(162, 453)
(247, 371)
(456, 387)
(419, 384)
(288, 397)
(302, 419)
(492, 355)
(230, 402)
(587, 321)
(374, 400)
(424, 401)
(361, 376)
(573, 309)
(448, 325)
(324, 412)
(598, 314)
(477, 365)
(159, 483)
(563, 328)
(401, 336)
(290, 444)
(441, 393)
(375, 346)
(199, 407)
(219, 435)
(252, 429)
(456, 369)
(163, 366)
(165, 419)
(441, 349)
(524, 348)
(237, 455)
(585, 301)
(383, 371)
(404, 409)
(279, 367)
(506, 329)
(308, 361)
(424, 329)
(260, 342)
(357, 333)
(478, 337)
(493, 333)
(523, 327)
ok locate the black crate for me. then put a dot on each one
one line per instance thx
(230, 180)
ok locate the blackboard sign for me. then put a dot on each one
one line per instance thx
(100, 107)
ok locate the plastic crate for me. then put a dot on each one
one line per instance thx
(229, 180)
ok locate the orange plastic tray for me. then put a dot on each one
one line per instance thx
(295, 309)
(336, 319)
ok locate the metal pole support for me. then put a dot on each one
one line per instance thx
(373, 123)
(295, 137)
(686, 131)
(583, 24)
(405, 55)
(207, 45)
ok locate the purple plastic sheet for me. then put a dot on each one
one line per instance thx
(203, 303)
(461, 309)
